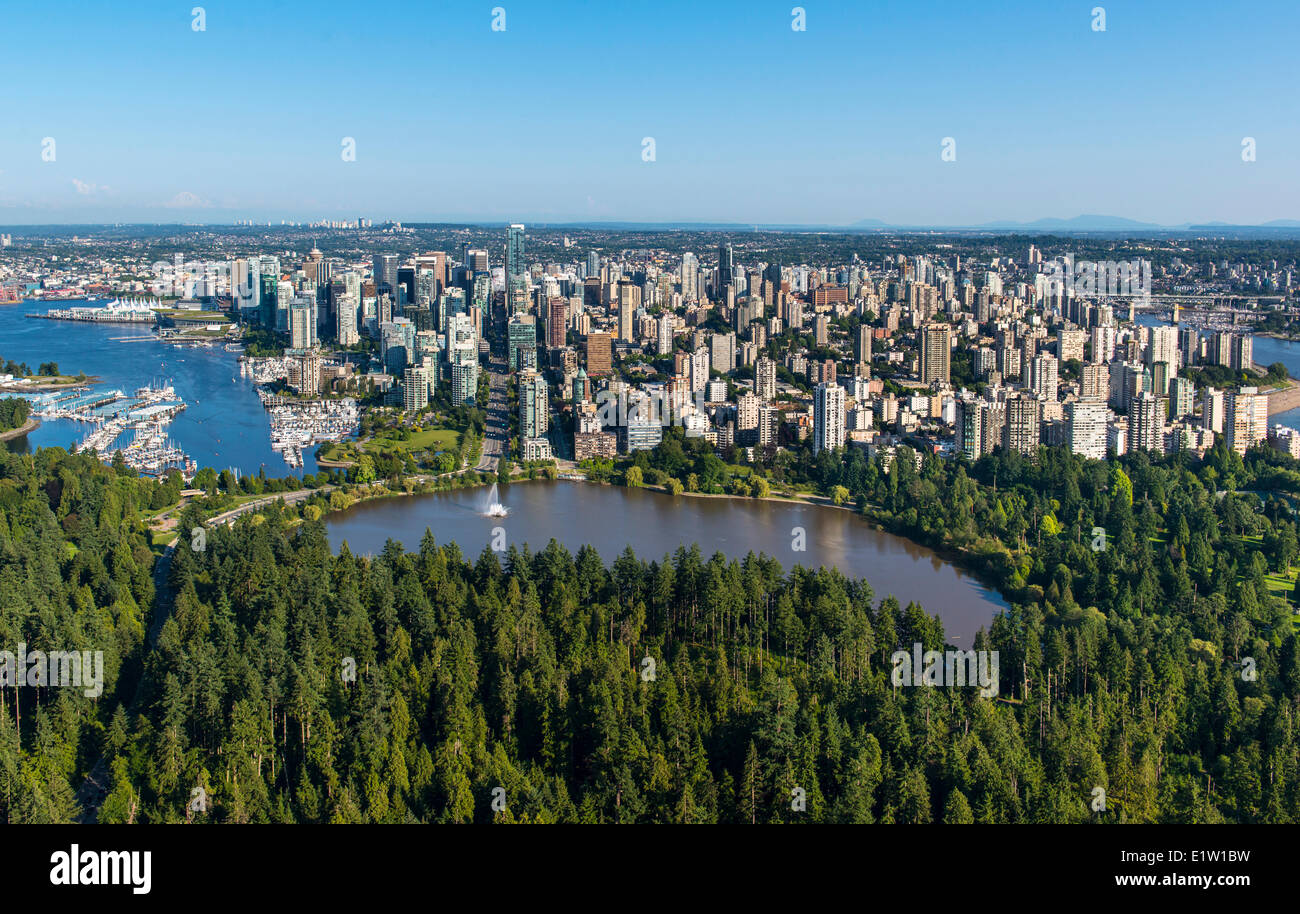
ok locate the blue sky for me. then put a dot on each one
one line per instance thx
(752, 121)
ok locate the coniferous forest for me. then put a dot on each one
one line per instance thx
(293, 684)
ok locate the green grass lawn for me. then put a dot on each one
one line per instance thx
(436, 439)
(1279, 584)
(432, 439)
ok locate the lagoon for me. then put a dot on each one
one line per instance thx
(655, 524)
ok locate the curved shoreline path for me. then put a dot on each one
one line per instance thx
(29, 426)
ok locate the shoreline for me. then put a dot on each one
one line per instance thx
(30, 425)
(1283, 399)
(44, 386)
(961, 560)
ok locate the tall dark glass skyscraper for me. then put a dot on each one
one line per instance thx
(385, 266)
(514, 250)
(726, 264)
(270, 289)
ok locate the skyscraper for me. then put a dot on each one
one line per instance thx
(828, 417)
(557, 322)
(726, 265)
(1181, 392)
(514, 251)
(302, 323)
(599, 357)
(1146, 423)
(345, 317)
(521, 332)
(1087, 427)
(1022, 429)
(415, 388)
(629, 299)
(747, 409)
(1163, 347)
(1245, 419)
(1095, 382)
(385, 269)
(665, 334)
(464, 382)
(533, 407)
(765, 379)
(723, 350)
(862, 347)
(699, 370)
(1043, 376)
(690, 270)
(935, 353)
(970, 427)
(1212, 410)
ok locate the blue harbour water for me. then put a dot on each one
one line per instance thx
(1265, 351)
(223, 425)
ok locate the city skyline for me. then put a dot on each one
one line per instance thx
(1049, 118)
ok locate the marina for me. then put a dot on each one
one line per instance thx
(145, 415)
(298, 426)
(223, 422)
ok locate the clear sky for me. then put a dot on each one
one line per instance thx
(752, 121)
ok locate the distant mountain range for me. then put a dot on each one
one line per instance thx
(1086, 223)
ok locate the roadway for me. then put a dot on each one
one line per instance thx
(497, 430)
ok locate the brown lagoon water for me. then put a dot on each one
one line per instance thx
(654, 525)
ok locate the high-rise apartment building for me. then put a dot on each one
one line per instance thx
(828, 417)
(533, 406)
(415, 388)
(1103, 343)
(936, 350)
(726, 265)
(765, 379)
(629, 299)
(1181, 397)
(664, 332)
(1086, 422)
(723, 349)
(464, 382)
(689, 277)
(600, 360)
(345, 320)
(747, 416)
(699, 369)
(970, 427)
(862, 345)
(302, 323)
(1043, 375)
(1021, 432)
(1095, 381)
(557, 322)
(1212, 415)
(1146, 423)
(1245, 419)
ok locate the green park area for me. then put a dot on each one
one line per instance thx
(393, 441)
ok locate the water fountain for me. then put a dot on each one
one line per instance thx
(492, 507)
